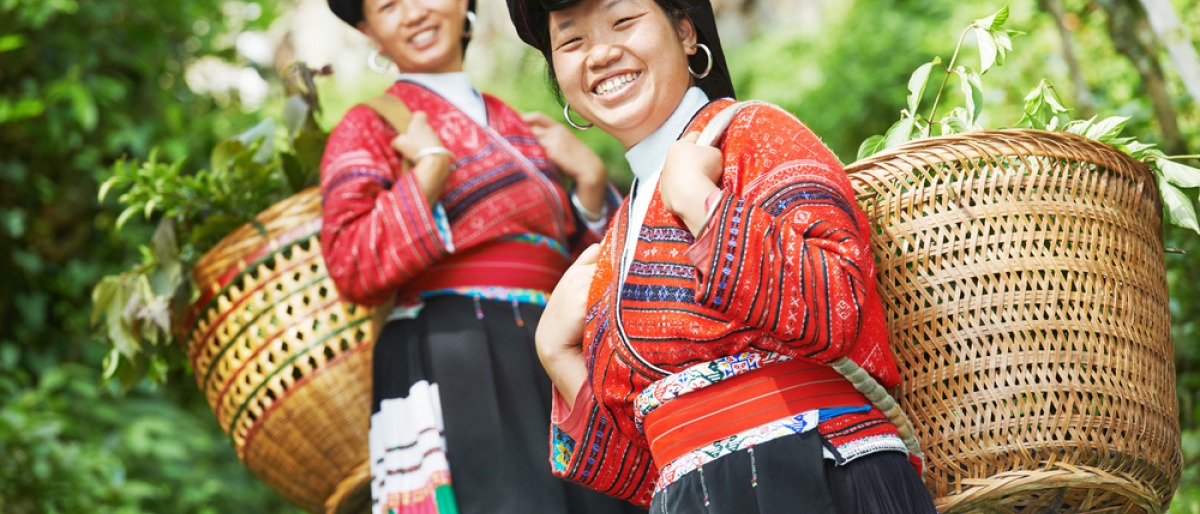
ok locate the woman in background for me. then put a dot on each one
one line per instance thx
(465, 240)
(698, 372)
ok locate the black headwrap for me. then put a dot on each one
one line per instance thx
(351, 12)
(532, 21)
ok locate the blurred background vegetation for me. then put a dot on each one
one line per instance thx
(84, 84)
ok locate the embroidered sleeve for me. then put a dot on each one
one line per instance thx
(377, 229)
(598, 455)
(788, 254)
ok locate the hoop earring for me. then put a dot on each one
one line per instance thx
(707, 69)
(374, 64)
(567, 115)
(470, 31)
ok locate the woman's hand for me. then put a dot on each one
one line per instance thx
(689, 175)
(432, 170)
(560, 332)
(573, 157)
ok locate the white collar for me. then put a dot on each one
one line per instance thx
(456, 88)
(646, 158)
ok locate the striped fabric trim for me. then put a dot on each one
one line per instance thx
(503, 294)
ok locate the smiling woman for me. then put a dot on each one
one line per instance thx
(722, 358)
(461, 223)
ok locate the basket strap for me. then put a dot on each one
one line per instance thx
(863, 381)
(392, 110)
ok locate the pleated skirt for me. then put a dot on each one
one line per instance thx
(461, 413)
(789, 475)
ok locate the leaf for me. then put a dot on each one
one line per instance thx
(108, 185)
(1179, 206)
(955, 122)
(993, 22)
(224, 154)
(1107, 129)
(1042, 106)
(102, 296)
(1079, 126)
(972, 90)
(916, 85)
(901, 132)
(870, 147)
(295, 114)
(264, 132)
(125, 215)
(987, 49)
(1179, 174)
(112, 361)
(1003, 45)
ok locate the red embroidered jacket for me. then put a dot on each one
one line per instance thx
(507, 215)
(783, 266)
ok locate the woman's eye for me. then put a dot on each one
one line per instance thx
(570, 44)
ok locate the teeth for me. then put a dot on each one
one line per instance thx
(615, 83)
(423, 36)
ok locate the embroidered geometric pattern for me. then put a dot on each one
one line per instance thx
(689, 462)
(783, 267)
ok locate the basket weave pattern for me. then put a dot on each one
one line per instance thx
(283, 361)
(1023, 279)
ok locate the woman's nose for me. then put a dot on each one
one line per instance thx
(603, 55)
(414, 11)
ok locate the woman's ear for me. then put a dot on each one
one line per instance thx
(365, 29)
(687, 33)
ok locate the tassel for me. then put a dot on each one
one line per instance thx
(478, 308)
(517, 313)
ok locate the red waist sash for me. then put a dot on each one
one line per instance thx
(509, 264)
(744, 402)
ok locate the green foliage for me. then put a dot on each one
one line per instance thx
(69, 445)
(82, 86)
(1043, 111)
(246, 174)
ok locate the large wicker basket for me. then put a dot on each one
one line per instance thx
(284, 362)
(1022, 275)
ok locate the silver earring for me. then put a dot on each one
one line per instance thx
(470, 32)
(567, 115)
(374, 63)
(707, 69)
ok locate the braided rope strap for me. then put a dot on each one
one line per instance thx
(874, 391)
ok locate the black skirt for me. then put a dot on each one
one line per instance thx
(494, 406)
(789, 475)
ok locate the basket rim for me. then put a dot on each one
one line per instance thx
(1005, 137)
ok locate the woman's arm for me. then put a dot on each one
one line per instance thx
(585, 445)
(378, 230)
(594, 199)
(788, 252)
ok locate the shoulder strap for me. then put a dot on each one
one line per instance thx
(717, 126)
(392, 110)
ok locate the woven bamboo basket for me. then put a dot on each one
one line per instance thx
(1023, 279)
(284, 362)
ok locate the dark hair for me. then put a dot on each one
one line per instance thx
(351, 12)
(674, 9)
(531, 19)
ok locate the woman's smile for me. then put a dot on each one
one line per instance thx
(611, 86)
(621, 64)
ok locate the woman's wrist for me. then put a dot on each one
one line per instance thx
(434, 150)
(589, 199)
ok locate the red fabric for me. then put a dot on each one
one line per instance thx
(511, 264)
(572, 421)
(743, 402)
(784, 267)
(378, 231)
